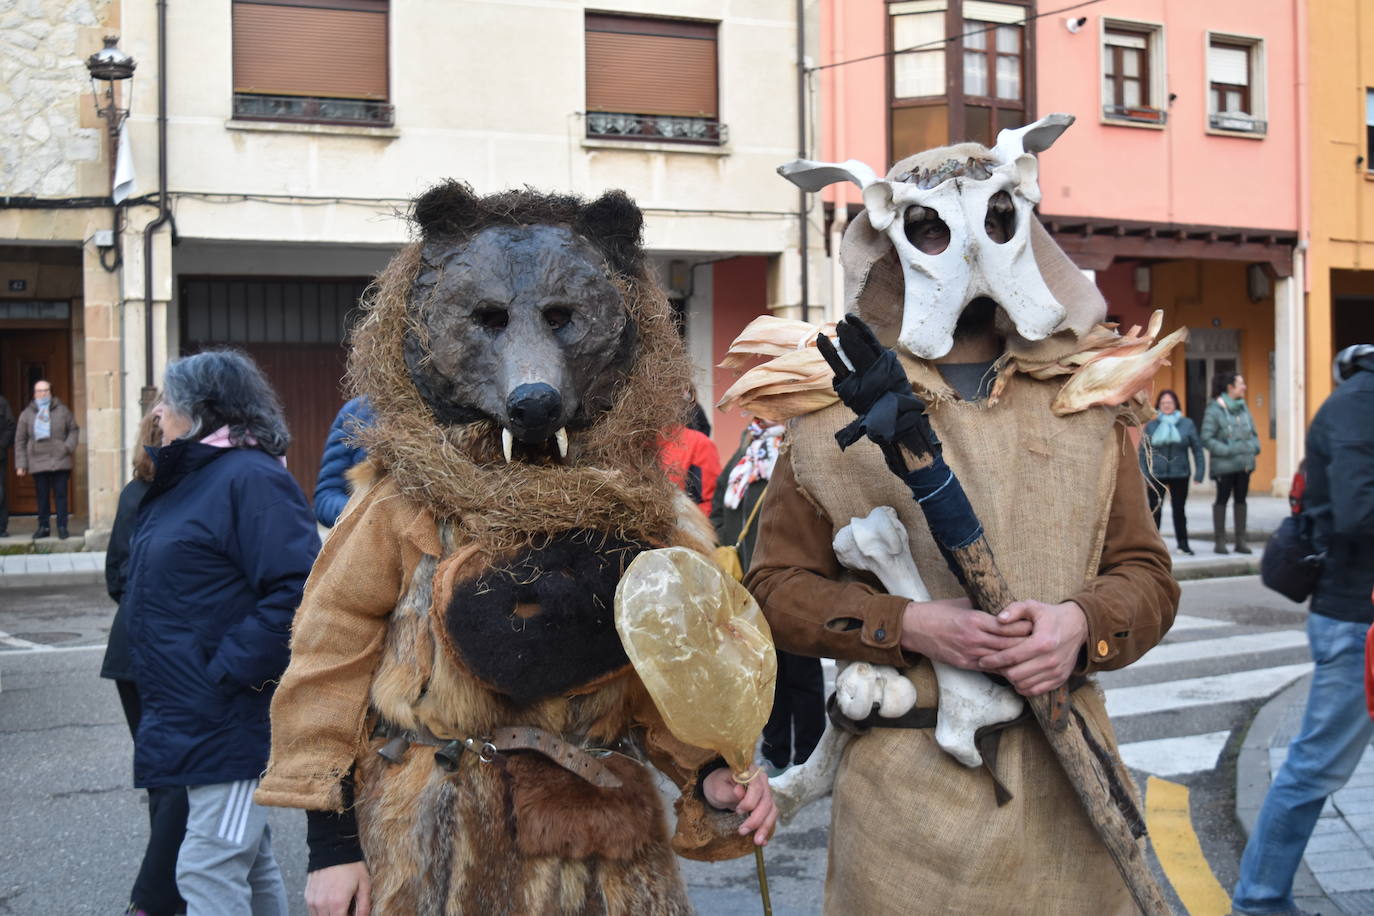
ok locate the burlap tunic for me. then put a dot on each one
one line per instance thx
(1063, 504)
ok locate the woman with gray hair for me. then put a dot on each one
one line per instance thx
(224, 543)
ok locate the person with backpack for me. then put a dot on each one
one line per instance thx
(1336, 729)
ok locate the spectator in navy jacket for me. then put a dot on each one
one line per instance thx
(340, 453)
(223, 545)
(155, 888)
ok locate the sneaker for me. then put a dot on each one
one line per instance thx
(1295, 911)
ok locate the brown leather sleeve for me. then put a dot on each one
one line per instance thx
(794, 575)
(1131, 603)
(703, 833)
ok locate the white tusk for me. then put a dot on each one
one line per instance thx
(561, 437)
(507, 442)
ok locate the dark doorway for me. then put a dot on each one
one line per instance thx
(1352, 321)
(28, 354)
(295, 330)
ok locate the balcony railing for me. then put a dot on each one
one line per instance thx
(603, 125)
(315, 110)
(1237, 121)
(1137, 113)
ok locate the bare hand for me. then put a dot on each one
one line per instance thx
(1044, 660)
(952, 632)
(20, 471)
(329, 891)
(754, 799)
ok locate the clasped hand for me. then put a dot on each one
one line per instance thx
(1034, 645)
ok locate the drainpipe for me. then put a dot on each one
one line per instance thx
(840, 216)
(164, 213)
(801, 154)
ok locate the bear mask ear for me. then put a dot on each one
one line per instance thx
(447, 209)
(614, 223)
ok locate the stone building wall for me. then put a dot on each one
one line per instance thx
(50, 139)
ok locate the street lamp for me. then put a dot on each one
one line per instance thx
(110, 65)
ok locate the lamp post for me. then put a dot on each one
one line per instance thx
(110, 65)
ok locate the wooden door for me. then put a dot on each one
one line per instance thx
(306, 378)
(26, 356)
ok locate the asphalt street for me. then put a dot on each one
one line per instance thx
(74, 827)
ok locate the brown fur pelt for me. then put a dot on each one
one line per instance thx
(612, 480)
(560, 814)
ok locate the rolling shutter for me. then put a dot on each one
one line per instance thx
(651, 66)
(325, 50)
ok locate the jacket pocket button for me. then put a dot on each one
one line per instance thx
(880, 634)
(1102, 648)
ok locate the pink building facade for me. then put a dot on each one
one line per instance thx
(1179, 187)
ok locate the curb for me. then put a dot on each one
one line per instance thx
(1252, 781)
(52, 580)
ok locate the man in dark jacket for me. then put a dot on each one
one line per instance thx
(44, 444)
(6, 440)
(341, 452)
(1335, 729)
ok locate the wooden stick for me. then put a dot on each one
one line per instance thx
(989, 590)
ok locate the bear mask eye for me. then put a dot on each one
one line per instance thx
(493, 319)
(557, 317)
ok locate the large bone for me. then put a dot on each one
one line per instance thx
(968, 700)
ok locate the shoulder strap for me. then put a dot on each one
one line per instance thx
(744, 532)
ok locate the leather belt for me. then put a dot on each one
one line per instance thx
(580, 761)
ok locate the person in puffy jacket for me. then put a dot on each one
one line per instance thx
(223, 546)
(1164, 449)
(1228, 434)
(1336, 730)
(341, 452)
(44, 443)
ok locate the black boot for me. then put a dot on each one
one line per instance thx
(42, 531)
(1241, 512)
(1219, 528)
(61, 532)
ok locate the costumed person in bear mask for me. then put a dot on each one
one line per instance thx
(998, 335)
(460, 718)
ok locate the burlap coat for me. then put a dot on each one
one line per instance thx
(367, 646)
(1063, 505)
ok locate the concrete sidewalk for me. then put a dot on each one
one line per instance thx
(1337, 874)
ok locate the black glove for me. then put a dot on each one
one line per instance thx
(889, 412)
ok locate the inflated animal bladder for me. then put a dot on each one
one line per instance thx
(703, 649)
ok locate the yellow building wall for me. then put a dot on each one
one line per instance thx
(1212, 294)
(1341, 68)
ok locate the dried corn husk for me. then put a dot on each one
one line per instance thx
(1115, 375)
(771, 336)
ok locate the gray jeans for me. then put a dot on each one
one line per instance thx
(226, 866)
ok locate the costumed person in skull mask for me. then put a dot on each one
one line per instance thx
(991, 323)
(460, 717)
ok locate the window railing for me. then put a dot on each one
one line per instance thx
(603, 125)
(1234, 120)
(252, 107)
(1137, 113)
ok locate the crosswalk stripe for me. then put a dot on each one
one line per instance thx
(1202, 691)
(1202, 649)
(1189, 622)
(1175, 756)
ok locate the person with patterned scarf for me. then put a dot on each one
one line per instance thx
(1164, 461)
(798, 718)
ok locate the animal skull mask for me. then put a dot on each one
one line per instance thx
(938, 287)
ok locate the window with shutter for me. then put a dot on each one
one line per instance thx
(1131, 69)
(1235, 88)
(312, 60)
(652, 79)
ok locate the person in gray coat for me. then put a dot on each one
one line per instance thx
(1228, 434)
(6, 440)
(44, 446)
(1164, 449)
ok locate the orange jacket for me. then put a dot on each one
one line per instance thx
(691, 461)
